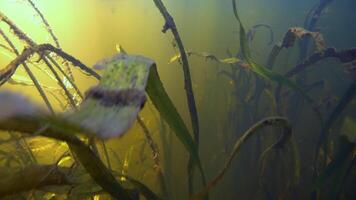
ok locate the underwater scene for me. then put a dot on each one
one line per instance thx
(178, 99)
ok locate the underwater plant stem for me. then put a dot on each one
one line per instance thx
(23, 37)
(66, 76)
(35, 82)
(170, 25)
(20, 34)
(10, 69)
(155, 155)
(24, 56)
(66, 132)
(54, 37)
(340, 107)
(313, 16)
(271, 121)
(343, 56)
(45, 22)
(28, 71)
(60, 82)
(6, 48)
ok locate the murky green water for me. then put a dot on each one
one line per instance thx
(293, 82)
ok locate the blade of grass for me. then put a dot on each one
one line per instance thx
(169, 113)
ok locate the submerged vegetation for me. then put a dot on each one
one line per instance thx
(84, 167)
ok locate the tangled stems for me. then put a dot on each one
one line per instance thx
(9, 70)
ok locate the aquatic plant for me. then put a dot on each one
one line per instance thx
(194, 156)
(253, 96)
(9, 71)
(245, 61)
(272, 121)
(85, 155)
(289, 40)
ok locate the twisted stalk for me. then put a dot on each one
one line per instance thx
(170, 25)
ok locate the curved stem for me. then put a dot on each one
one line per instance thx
(271, 121)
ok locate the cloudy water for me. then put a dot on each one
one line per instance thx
(168, 99)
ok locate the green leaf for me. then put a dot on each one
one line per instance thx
(169, 113)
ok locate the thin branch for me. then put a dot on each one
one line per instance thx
(23, 37)
(10, 69)
(68, 94)
(70, 58)
(45, 22)
(35, 82)
(6, 73)
(55, 39)
(67, 77)
(6, 48)
(170, 25)
(155, 155)
(344, 56)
